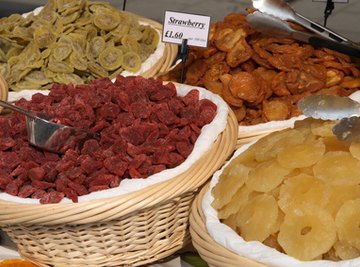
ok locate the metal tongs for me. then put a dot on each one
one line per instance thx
(272, 18)
(47, 135)
(333, 107)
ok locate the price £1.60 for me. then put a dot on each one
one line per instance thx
(175, 35)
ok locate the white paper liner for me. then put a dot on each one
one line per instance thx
(209, 134)
(146, 65)
(255, 250)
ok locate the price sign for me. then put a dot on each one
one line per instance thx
(179, 26)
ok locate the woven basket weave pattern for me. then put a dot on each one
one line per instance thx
(212, 252)
(130, 230)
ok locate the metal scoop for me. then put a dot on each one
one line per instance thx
(332, 107)
(48, 135)
(282, 10)
(271, 25)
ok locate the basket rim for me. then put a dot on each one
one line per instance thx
(211, 251)
(111, 208)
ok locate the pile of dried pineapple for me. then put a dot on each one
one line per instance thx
(296, 190)
(72, 41)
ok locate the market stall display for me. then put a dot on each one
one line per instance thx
(138, 220)
(306, 182)
(263, 77)
(77, 42)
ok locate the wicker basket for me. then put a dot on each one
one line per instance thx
(212, 252)
(170, 52)
(130, 230)
(3, 90)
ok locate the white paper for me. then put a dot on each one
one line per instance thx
(255, 250)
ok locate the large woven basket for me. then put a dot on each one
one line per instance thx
(212, 252)
(129, 230)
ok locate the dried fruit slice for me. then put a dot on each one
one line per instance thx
(232, 178)
(347, 223)
(345, 251)
(338, 168)
(131, 62)
(339, 195)
(333, 144)
(302, 189)
(111, 58)
(257, 219)
(241, 197)
(302, 155)
(266, 176)
(107, 19)
(322, 128)
(269, 147)
(307, 232)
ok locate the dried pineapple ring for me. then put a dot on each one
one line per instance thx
(345, 251)
(347, 222)
(269, 147)
(266, 176)
(340, 194)
(302, 155)
(232, 178)
(131, 61)
(250, 219)
(237, 202)
(307, 232)
(111, 58)
(130, 43)
(338, 168)
(322, 128)
(301, 189)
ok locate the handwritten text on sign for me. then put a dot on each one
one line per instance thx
(179, 26)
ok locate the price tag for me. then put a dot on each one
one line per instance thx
(179, 26)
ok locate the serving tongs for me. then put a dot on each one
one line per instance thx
(45, 134)
(283, 11)
(271, 25)
(333, 107)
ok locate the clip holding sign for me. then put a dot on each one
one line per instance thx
(184, 51)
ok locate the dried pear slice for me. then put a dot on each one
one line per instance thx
(3, 57)
(79, 62)
(107, 20)
(130, 43)
(14, 51)
(96, 46)
(65, 20)
(68, 78)
(61, 51)
(37, 77)
(22, 85)
(60, 66)
(119, 32)
(111, 58)
(43, 36)
(97, 70)
(131, 62)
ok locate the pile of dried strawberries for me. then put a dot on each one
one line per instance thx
(143, 126)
